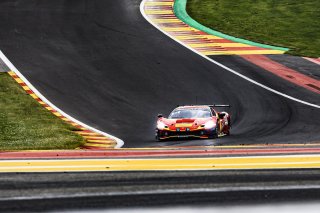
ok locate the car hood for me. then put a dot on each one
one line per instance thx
(193, 121)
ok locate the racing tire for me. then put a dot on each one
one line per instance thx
(158, 139)
(215, 134)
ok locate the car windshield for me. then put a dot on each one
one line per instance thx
(190, 113)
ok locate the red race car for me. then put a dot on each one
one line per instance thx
(194, 121)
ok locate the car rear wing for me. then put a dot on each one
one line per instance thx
(220, 105)
(210, 105)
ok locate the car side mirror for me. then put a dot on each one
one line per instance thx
(221, 115)
(160, 116)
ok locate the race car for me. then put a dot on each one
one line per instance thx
(194, 121)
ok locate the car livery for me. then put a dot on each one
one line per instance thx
(194, 121)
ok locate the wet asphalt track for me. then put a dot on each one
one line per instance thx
(102, 63)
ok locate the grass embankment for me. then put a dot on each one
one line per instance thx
(26, 125)
(286, 23)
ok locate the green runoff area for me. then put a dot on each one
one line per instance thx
(285, 23)
(26, 125)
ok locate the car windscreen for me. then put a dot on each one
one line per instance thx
(190, 113)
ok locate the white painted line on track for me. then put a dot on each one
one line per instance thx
(314, 60)
(120, 142)
(166, 191)
(223, 66)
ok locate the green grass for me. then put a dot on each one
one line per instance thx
(26, 125)
(287, 23)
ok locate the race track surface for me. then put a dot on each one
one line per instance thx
(89, 192)
(104, 64)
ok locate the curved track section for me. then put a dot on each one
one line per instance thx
(103, 64)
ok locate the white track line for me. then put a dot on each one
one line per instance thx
(16, 71)
(312, 60)
(165, 191)
(223, 66)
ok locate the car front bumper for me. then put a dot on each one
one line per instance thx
(199, 133)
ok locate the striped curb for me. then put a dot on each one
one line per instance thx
(94, 140)
(161, 153)
(161, 13)
(161, 164)
(181, 13)
(172, 17)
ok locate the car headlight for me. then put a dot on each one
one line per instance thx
(210, 125)
(161, 125)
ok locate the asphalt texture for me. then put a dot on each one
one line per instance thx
(104, 64)
(299, 64)
(104, 190)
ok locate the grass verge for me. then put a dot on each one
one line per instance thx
(286, 23)
(26, 125)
